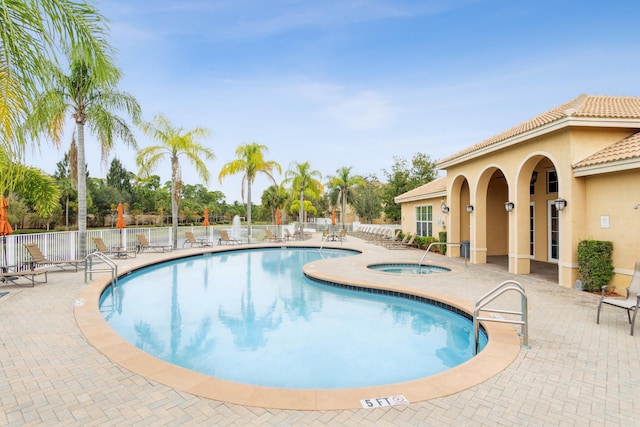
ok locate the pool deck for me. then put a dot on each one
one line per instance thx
(575, 373)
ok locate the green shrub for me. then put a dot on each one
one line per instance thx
(443, 238)
(594, 263)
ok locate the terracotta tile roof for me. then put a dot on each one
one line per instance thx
(584, 106)
(435, 188)
(627, 148)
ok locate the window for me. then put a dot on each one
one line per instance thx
(424, 220)
(552, 182)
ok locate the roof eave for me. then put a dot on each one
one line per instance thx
(608, 167)
(540, 131)
(400, 199)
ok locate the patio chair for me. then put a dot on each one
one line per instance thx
(12, 276)
(116, 251)
(146, 246)
(226, 240)
(193, 241)
(630, 303)
(268, 235)
(403, 245)
(287, 234)
(38, 258)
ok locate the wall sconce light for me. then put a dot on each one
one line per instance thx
(469, 208)
(444, 208)
(560, 204)
(508, 206)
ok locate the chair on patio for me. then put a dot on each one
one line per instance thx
(38, 258)
(114, 250)
(193, 241)
(145, 245)
(268, 235)
(226, 240)
(404, 244)
(630, 303)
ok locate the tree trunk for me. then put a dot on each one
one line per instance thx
(301, 213)
(82, 194)
(248, 210)
(174, 201)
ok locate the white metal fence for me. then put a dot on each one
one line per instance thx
(64, 244)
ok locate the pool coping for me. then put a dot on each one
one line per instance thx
(502, 348)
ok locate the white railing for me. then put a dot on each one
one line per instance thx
(64, 244)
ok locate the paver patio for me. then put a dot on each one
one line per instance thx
(575, 373)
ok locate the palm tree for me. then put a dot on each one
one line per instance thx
(345, 184)
(273, 198)
(303, 181)
(92, 99)
(174, 142)
(34, 31)
(250, 162)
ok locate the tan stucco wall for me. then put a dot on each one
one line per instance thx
(409, 216)
(494, 232)
(611, 198)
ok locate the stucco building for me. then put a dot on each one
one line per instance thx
(534, 191)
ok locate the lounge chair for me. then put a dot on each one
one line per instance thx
(270, 236)
(115, 251)
(193, 241)
(226, 240)
(145, 246)
(37, 258)
(403, 245)
(12, 276)
(287, 234)
(630, 303)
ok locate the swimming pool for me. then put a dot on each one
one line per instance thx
(250, 316)
(406, 268)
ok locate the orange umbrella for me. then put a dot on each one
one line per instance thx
(5, 227)
(120, 223)
(278, 217)
(333, 217)
(206, 217)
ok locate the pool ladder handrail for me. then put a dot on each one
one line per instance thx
(89, 268)
(507, 285)
(466, 258)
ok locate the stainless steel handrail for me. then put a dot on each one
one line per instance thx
(466, 258)
(508, 285)
(89, 268)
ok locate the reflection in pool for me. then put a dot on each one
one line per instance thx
(251, 316)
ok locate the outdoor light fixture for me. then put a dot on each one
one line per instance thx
(560, 204)
(508, 206)
(444, 208)
(469, 208)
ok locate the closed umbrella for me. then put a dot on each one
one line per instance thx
(5, 227)
(279, 221)
(278, 217)
(121, 224)
(206, 217)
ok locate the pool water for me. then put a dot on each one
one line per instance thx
(250, 316)
(401, 268)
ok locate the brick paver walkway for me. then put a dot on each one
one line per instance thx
(575, 373)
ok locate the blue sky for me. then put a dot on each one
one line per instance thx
(357, 82)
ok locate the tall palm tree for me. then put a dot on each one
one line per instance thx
(33, 32)
(345, 184)
(303, 181)
(250, 162)
(174, 142)
(92, 99)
